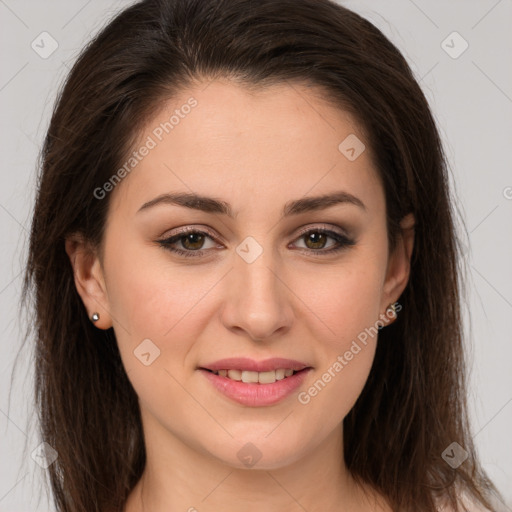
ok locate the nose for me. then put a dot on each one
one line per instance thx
(257, 299)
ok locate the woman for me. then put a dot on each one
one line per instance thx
(240, 298)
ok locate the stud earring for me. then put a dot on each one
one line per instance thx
(95, 317)
(391, 313)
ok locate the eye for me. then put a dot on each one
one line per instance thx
(315, 241)
(191, 242)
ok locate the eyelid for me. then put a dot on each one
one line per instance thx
(325, 227)
(190, 228)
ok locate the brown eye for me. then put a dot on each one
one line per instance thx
(315, 240)
(192, 241)
(188, 243)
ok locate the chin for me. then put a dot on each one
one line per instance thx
(255, 455)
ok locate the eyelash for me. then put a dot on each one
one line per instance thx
(342, 240)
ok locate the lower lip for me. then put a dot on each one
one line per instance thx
(254, 394)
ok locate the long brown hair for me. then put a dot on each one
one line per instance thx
(414, 403)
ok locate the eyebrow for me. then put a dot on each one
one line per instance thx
(213, 205)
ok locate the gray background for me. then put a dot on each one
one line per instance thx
(471, 97)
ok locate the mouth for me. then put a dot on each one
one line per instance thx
(256, 383)
(256, 388)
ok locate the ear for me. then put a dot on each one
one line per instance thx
(399, 264)
(89, 279)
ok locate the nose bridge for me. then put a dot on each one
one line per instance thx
(261, 282)
(259, 302)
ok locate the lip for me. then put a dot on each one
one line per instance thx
(255, 394)
(244, 363)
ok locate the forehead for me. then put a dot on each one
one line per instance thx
(266, 144)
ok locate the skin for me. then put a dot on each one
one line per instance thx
(255, 150)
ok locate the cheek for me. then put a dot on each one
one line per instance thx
(347, 299)
(152, 299)
(345, 360)
(156, 324)
(149, 295)
(348, 304)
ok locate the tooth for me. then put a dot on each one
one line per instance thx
(235, 374)
(280, 374)
(267, 377)
(248, 376)
(288, 372)
(223, 373)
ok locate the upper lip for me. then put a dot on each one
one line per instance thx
(244, 363)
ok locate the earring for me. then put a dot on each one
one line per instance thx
(95, 317)
(391, 312)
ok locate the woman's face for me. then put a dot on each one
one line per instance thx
(270, 274)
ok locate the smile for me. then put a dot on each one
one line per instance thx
(256, 389)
